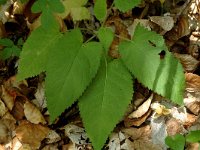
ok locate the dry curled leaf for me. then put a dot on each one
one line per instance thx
(31, 134)
(136, 121)
(165, 22)
(189, 63)
(192, 103)
(141, 109)
(192, 82)
(180, 30)
(33, 114)
(8, 97)
(18, 109)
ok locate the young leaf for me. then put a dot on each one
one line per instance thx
(193, 136)
(70, 70)
(125, 5)
(75, 9)
(106, 36)
(10, 51)
(105, 101)
(176, 142)
(100, 9)
(6, 42)
(157, 69)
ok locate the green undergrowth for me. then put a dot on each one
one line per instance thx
(83, 71)
(178, 141)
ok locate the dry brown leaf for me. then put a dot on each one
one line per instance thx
(4, 133)
(18, 109)
(138, 133)
(138, 99)
(76, 134)
(173, 126)
(40, 96)
(31, 134)
(136, 121)
(191, 120)
(52, 137)
(8, 116)
(143, 22)
(8, 96)
(165, 22)
(193, 146)
(180, 30)
(51, 147)
(121, 31)
(6, 130)
(144, 145)
(3, 109)
(33, 114)
(141, 109)
(189, 63)
(192, 82)
(194, 107)
(119, 141)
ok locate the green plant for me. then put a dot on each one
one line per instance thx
(10, 49)
(177, 142)
(82, 71)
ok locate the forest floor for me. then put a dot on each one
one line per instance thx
(150, 118)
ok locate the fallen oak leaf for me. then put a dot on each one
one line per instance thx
(31, 134)
(142, 109)
(33, 114)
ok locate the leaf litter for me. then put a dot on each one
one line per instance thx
(24, 121)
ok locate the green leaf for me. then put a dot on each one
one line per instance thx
(2, 2)
(34, 55)
(175, 142)
(193, 136)
(147, 57)
(105, 101)
(49, 22)
(9, 52)
(75, 9)
(6, 42)
(70, 70)
(125, 5)
(106, 36)
(56, 6)
(39, 6)
(100, 9)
